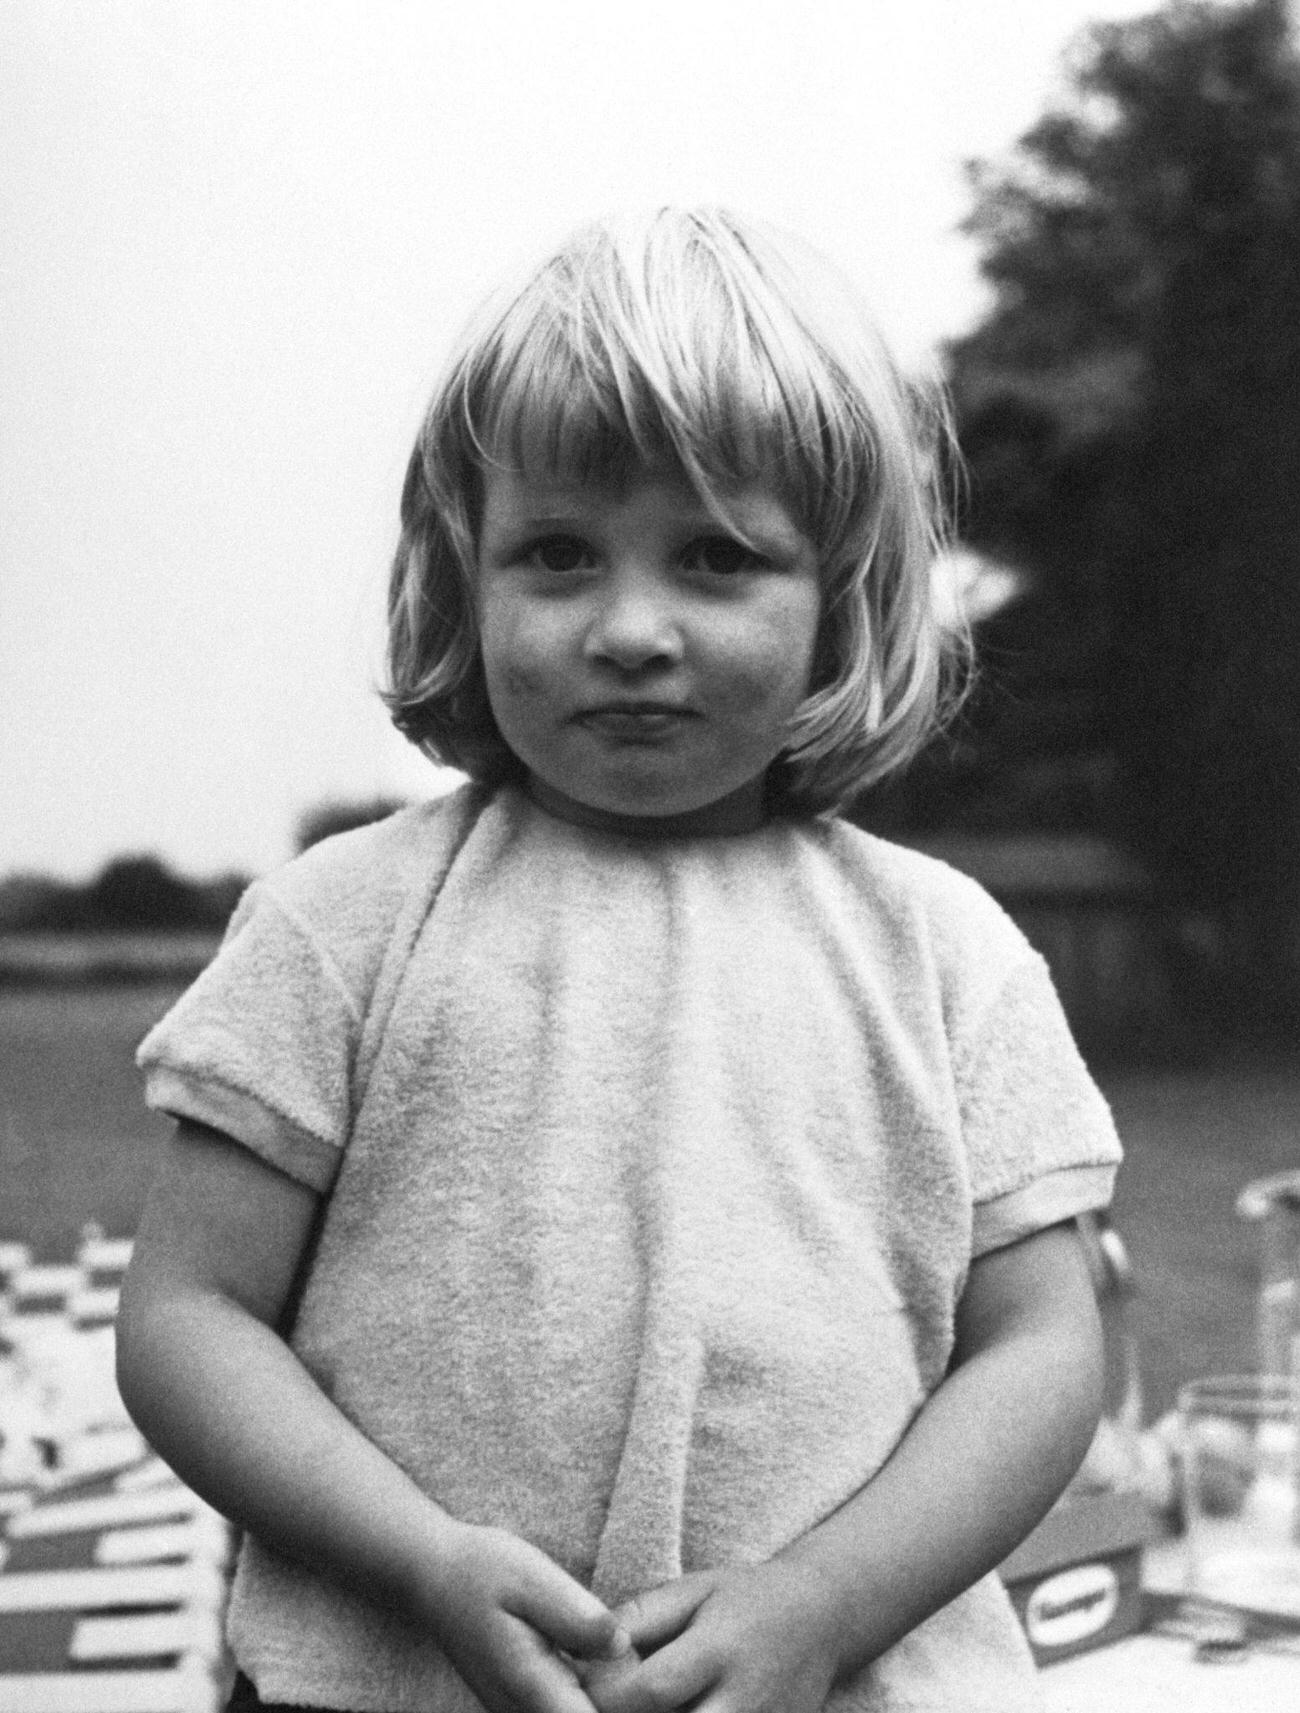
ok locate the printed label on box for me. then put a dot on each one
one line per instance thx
(1072, 1605)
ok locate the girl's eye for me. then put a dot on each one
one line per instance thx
(721, 556)
(558, 553)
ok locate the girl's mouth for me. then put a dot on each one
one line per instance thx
(635, 722)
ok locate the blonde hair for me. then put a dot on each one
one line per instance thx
(695, 342)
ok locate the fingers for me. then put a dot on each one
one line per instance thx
(586, 1635)
(602, 1678)
(567, 1614)
(673, 1678)
(655, 1617)
(531, 1678)
(503, 1611)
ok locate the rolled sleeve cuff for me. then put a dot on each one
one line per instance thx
(1046, 1201)
(270, 1135)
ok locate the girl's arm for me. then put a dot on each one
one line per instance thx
(216, 1390)
(982, 1462)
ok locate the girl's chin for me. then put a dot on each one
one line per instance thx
(738, 811)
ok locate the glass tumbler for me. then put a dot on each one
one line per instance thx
(1241, 1478)
(1272, 1206)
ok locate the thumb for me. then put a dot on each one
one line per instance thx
(572, 1618)
(656, 1616)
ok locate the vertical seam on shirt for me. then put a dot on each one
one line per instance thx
(972, 1045)
(322, 952)
(372, 1027)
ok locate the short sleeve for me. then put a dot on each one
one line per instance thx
(1040, 1141)
(261, 1046)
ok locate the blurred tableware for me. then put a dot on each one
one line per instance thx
(1240, 1479)
(1273, 1205)
(1114, 1462)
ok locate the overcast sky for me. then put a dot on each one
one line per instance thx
(237, 237)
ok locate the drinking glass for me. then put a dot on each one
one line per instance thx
(1272, 1205)
(1241, 1477)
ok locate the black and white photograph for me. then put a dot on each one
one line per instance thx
(649, 856)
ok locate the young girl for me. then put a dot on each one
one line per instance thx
(616, 1251)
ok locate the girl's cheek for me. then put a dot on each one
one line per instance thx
(521, 683)
(781, 670)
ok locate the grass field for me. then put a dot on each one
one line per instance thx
(76, 1144)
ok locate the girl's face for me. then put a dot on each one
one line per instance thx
(641, 660)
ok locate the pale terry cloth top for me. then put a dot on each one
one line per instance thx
(655, 1169)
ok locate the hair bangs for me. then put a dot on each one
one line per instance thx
(549, 413)
(667, 350)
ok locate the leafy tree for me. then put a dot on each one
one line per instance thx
(141, 892)
(1130, 409)
(136, 892)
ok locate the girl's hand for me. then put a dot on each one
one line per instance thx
(755, 1639)
(501, 1611)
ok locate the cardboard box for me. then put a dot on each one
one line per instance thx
(1076, 1581)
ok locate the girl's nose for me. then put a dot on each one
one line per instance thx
(634, 625)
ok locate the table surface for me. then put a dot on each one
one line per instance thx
(1155, 1673)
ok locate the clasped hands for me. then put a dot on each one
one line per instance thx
(527, 1638)
(754, 1639)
